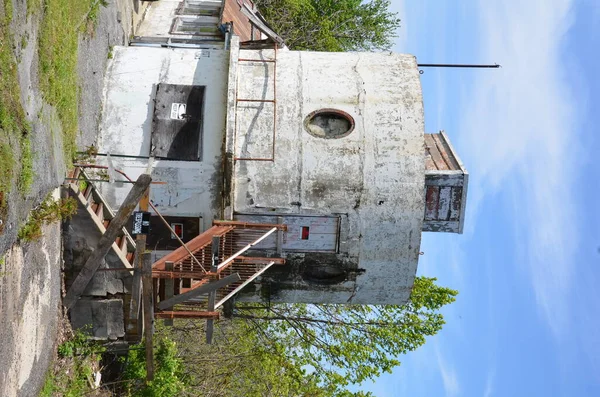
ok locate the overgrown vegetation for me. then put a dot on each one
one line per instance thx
(332, 25)
(47, 212)
(14, 129)
(63, 21)
(169, 376)
(26, 175)
(306, 350)
(72, 375)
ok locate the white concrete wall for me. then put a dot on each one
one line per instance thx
(375, 174)
(193, 187)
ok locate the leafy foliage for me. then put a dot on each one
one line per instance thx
(72, 374)
(169, 378)
(348, 344)
(332, 25)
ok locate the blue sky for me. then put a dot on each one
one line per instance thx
(527, 320)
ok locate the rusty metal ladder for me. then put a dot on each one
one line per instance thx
(273, 101)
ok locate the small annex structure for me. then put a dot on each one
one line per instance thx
(311, 170)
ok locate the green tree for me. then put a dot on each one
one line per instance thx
(332, 25)
(338, 345)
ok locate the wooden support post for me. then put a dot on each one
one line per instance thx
(212, 296)
(203, 289)
(136, 290)
(148, 304)
(106, 241)
(169, 289)
(279, 236)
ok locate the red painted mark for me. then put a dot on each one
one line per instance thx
(305, 232)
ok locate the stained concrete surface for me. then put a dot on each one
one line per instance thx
(30, 274)
(30, 281)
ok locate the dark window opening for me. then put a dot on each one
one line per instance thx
(329, 123)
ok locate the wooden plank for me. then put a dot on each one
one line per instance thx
(204, 289)
(140, 248)
(148, 304)
(429, 163)
(445, 152)
(432, 179)
(212, 296)
(434, 152)
(441, 226)
(241, 24)
(432, 198)
(323, 232)
(444, 206)
(279, 236)
(455, 204)
(169, 290)
(106, 241)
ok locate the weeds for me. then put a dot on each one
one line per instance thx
(26, 173)
(58, 61)
(12, 116)
(82, 356)
(47, 212)
(169, 378)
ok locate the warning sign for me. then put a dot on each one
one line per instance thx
(178, 111)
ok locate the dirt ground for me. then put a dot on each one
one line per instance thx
(30, 274)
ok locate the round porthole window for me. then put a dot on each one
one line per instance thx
(329, 123)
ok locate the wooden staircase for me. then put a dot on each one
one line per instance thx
(102, 214)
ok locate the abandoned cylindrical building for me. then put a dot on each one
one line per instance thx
(332, 146)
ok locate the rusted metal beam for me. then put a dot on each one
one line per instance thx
(187, 314)
(165, 274)
(212, 296)
(249, 225)
(148, 305)
(106, 241)
(203, 289)
(260, 260)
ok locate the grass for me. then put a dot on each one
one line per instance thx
(63, 21)
(12, 117)
(47, 212)
(26, 174)
(72, 375)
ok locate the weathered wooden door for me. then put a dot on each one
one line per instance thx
(304, 233)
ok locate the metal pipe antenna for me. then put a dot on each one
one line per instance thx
(457, 65)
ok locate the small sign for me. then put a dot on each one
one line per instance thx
(141, 223)
(178, 111)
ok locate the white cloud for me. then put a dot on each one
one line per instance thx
(519, 124)
(448, 374)
(489, 384)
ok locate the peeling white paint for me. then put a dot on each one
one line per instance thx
(375, 174)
